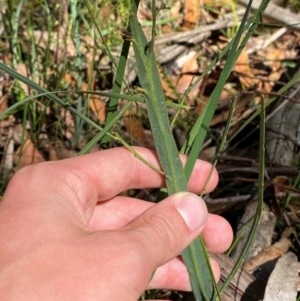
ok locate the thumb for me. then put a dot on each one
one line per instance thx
(167, 228)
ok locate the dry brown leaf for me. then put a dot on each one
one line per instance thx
(273, 59)
(3, 103)
(27, 155)
(191, 65)
(184, 83)
(135, 128)
(96, 104)
(227, 95)
(201, 104)
(167, 87)
(242, 67)
(148, 139)
(192, 14)
(70, 80)
(144, 14)
(184, 58)
(98, 107)
(219, 118)
(267, 254)
(105, 13)
(281, 184)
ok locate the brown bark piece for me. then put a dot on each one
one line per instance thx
(243, 286)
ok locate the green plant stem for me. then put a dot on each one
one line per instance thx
(193, 256)
(113, 104)
(259, 208)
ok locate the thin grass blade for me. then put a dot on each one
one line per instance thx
(259, 208)
(112, 107)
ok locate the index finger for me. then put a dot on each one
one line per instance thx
(99, 176)
(116, 170)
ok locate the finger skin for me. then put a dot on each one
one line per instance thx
(174, 276)
(110, 217)
(100, 176)
(53, 236)
(116, 170)
(217, 234)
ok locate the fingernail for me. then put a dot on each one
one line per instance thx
(192, 209)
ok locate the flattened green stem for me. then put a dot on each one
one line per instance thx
(158, 115)
(193, 256)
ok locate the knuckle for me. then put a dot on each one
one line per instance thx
(29, 172)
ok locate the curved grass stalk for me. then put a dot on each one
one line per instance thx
(119, 96)
(112, 107)
(259, 209)
(214, 163)
(15, 28)
(108, 126)
(81, 105)
(239, 235)
(293, 81)
(222, 143)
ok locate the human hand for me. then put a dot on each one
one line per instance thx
(67, 235)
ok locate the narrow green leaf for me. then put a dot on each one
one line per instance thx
(113, 104)
(193, 256)
(259, 208)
